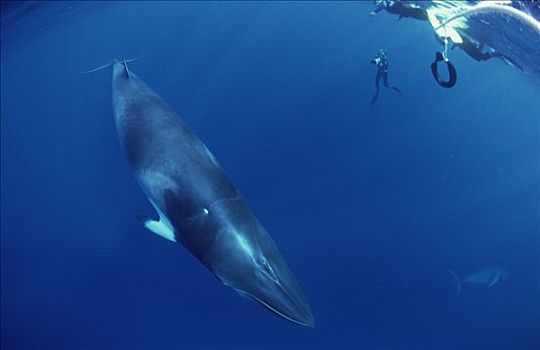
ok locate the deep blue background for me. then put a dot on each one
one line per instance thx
(369, 206)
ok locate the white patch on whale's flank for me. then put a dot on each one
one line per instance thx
(258, 260)
(245, 246)
(154, 183)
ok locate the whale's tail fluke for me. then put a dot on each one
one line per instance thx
(457, 282)
(105, 66)
(110, 64)
(124, 62)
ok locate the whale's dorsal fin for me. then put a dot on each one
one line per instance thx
(158, 227)
(105, 66)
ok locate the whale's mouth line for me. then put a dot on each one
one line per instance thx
(276, 311)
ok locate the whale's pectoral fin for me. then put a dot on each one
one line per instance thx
(494, 281)
(157, 227)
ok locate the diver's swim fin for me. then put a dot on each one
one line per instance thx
(373, 100)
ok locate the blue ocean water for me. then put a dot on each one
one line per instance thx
(370, 206)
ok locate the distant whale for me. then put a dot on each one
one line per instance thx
(197, 204)
(487, 278)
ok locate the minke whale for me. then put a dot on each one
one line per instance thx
(196, 203)
(486, 278)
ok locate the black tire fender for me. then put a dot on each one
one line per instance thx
(452, 73)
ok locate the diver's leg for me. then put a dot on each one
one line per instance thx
(393, 87)
(385, 79)
(377, 81)
(503, 57)
(484, 56)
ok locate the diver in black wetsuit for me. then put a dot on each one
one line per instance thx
(401, 8)
(476, 50)
(479, 52)
(381, 61)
